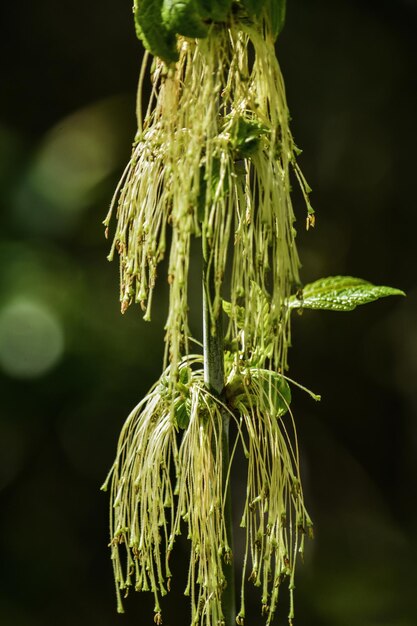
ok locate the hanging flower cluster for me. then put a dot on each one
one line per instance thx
(212, 159)
(214, 154)
(149, 511)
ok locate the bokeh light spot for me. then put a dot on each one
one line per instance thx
(65, 175)
(31, 339)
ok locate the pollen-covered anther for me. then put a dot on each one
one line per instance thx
(310, 221)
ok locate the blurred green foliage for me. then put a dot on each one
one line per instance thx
(71, 367)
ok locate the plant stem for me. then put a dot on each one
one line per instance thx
(214, 379)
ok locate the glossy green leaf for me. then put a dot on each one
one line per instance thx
(340, 293)
(274, 389)
(151, 30)
(183, 17)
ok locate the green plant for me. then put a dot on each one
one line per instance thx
(212, 159)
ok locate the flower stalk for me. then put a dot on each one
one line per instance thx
(214, 378)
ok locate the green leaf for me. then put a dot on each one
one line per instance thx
(184, 375)
(156, 38)
(253, 7)
(276, 10)
(274, 390)
(267, 390)
(340, 293)
(183, 17)
(245, 135)
(182, 413)
(216, 10)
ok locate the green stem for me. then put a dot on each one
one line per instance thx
(214, 379)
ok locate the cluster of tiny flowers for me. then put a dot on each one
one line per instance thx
(214, 154)
(148, 511)
(212, 159)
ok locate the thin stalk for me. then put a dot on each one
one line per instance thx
(214, 379)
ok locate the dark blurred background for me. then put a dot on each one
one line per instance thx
(72, 367)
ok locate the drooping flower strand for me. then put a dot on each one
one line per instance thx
(274, 516)
(201, 506)
(139, 499)
(214, 153)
